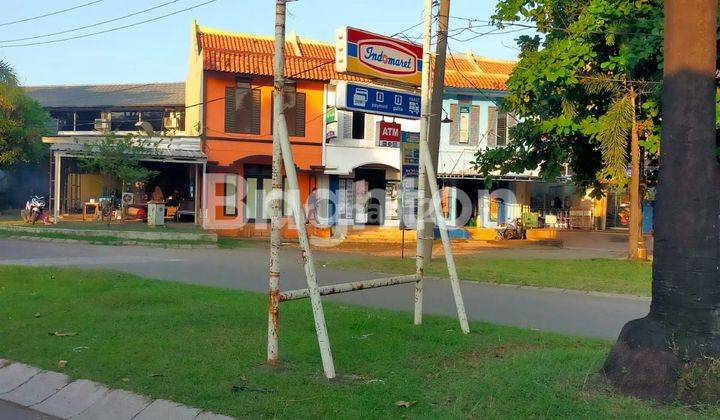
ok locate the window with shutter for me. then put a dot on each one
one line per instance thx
(474, 125)
(242, 108)
(492, 126)
(502, 129)
(300, 115)
(511, 122)
(345, 120)
(294, 111)
(454, 125)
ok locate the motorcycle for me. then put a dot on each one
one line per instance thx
(511, 230)
(35, 210)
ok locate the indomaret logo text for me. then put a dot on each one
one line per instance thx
(386, 56)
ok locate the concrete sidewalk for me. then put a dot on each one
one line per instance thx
(27, 392)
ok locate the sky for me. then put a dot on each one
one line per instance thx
(158, 51)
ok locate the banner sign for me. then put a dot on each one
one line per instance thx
(410, 152)
(410, 155)
(389, 134)
(377, 56)
(374, 100)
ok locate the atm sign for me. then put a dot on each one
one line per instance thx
(390, 134)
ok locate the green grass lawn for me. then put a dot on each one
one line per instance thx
(206, 347)
(601, 275)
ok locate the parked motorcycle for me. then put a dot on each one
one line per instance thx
(35, 210)
(511, 230)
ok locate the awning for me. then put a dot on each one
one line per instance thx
(165, 149)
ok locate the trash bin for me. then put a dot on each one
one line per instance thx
(156, 213)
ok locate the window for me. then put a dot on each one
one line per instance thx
(230, 195)
(85, 120)
(294, 110)
(358, 125)
(65, 120)
(464, 134)
(258, 186)
(124, 120)
(242, 108)
(345, 199)
(154, 118)
(502, 125)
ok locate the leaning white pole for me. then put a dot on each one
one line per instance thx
(278, 115)
(422, 202)
(440, 219)
(299, 215)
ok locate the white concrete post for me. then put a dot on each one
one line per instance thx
(58, 181)
(277, 184)
(442, 225)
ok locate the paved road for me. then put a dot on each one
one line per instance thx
(246, 269)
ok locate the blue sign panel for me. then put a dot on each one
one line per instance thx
(379, 101)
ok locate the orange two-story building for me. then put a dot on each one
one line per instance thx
(229, 104)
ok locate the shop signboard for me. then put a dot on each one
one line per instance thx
(377, 56)
(331, 125)
(389, 134)
(376, 100)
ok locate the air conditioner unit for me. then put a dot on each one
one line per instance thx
(102, 124)
(171, 123)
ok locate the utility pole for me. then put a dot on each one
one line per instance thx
(276, 203)
(282, 152)
(422, 216)
(436, 100)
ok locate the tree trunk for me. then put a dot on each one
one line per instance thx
(657, 356)
(636, 242)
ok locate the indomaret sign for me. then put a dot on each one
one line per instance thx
(377, 56)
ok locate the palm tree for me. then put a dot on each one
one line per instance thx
(669, 353)
(616, 127)
(8, 87)
(7, 74)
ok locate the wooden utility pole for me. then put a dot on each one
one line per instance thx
(436, 99)
(276, 202)
(422, 213)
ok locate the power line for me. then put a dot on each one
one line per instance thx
(550, 27)
(50, 14)
(92, 25)
(111, 29)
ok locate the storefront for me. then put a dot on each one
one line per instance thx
(177, 165)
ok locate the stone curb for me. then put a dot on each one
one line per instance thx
(124, 234)
(118, 243)
(547, 289)
(53, 394)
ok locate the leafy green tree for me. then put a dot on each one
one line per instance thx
(566, 81)
(22, 122)
(583, 90)
(118, 158)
